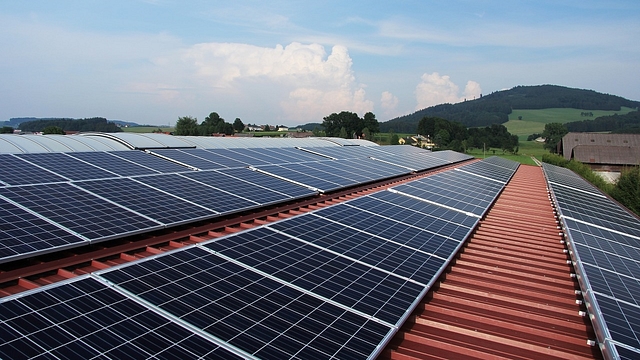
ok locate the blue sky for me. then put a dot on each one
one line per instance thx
(294, 62)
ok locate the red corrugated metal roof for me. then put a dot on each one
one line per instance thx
(510, 293)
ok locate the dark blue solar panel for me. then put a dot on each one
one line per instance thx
(187, 158)
(414, 161)
(116, 165)
(85, 214)
(235, 158)
(333, 170)
(375, 251)
(263, 317)
(23, 234)
(67, 166)
(345, 281)
(85, 319)
(622, 320)
(297, 154)
(246, 189)
(199, 193)
(286, 172)
(489, 170)
(150, 161)
(269, 182)
(15, 171)
(155, 204)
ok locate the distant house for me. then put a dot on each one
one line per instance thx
(254, 128)
(606, 152)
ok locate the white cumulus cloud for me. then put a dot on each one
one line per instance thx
(435, 89)
(388, 104)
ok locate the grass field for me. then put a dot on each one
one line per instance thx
(533, 121)
(527, 149)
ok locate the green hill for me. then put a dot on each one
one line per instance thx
(498, 107)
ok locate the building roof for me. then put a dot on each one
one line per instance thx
(603, 154)
(586, 140)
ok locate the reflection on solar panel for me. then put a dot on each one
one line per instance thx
(604, 240)
(327, 274)
(89, 216)
(67, 166)
(257, 314)
(295, 173)
(186, 158)
(145, 200)
(18, 172)
(23, 234)
(117, 165)
(150, 161)
(259, 188)
(84, 319)
(229, 158)
(196, 192)
(415, 161)
(488, 170)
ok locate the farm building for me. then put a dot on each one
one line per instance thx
(603, 152)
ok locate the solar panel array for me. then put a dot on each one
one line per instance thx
(604, 242)
(333, 283)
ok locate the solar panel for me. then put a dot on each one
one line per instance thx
(186, 158)
(286, 172)
(87, 215)
(285, 155)
(152, 203)
(236, 157)
(67, 166)
(114, 164)
(334, 170)
(23, 234)
(363, 246)
(254, 313)
(299, 155)
(269, 182)
(559, 176)
(489, 170)
(451, 156)
(598, 210)
(150, 161)
(247, 189)
(217, 156)
(15, 171)
(85, 319)
(198, 193)
(373, 169)
(413, 161)
(327, 274)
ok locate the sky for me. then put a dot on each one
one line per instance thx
(295, 62)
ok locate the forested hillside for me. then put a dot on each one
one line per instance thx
(92, 124)
(627, 123)
(496, 107)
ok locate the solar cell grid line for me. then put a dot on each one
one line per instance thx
(503, 163)
(67, 166)
(444, 198)
(215, 199)
(328, 275)
(412, 161)
(335, 169)
(245, 309)
(148, 201)
(315, 169)
(286, 188)
(248, 190)
(622, 323)
(610, 279)
(87, 215)
(372, 169)
(151, 161)
(364, 247)
(220, 161)
(488, 170)
(84, 319)
(299, 155)
(190, 160)
(462, 184)
(285, 172)
(114, 164)
(218, 156)
(431, 236)
(24, 234)
(15, 171)
(252, 157)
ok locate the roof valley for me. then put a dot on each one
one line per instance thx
(509, 294)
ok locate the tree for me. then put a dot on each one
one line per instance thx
(186, 125)
(552, 134)
(267, 128)
(366, 134)
(6, 130)
(238, 126)
(212, 124)
(318, 132)
(393, 138)
(343, 133)
(627, 189)
(52, 130)
(370, 123)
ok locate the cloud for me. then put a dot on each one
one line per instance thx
(388, 104)
(316, 83)
(435, 89)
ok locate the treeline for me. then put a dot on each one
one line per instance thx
(496, 107)
(455, 136)
(627, 123)
(91, 124)
(626, 190)
(212, 125)
(349, 125)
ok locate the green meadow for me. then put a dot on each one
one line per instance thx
(146, 129)
(533, 121)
